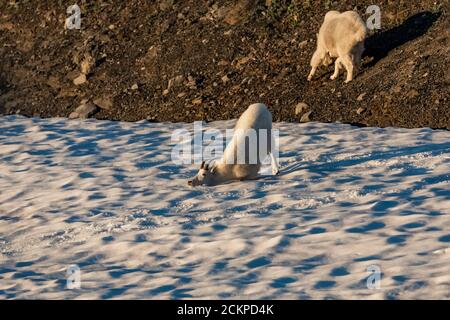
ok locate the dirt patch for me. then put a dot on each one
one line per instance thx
(189, 60)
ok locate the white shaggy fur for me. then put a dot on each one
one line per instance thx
(229, 168)
(341, 36)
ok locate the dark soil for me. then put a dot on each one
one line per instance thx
(186, 60)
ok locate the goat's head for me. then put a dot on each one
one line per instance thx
(205, 176)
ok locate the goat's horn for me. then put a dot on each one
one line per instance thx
(202, 166)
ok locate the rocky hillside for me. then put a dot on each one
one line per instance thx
(185, 60)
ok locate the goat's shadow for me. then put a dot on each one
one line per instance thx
(326, 167)
(381, 43)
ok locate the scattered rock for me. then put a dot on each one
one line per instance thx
(175, 82)
(225, 79)
(178, 80)
(54, 82)
(7, 26)
(279, 47)
(397, 89)
(165, 4)
(360, 110)
(413, 93)
(170, 84)
(361, 96)
(192, 84)
(284, 72)
(152, 52)
(165, 92)
(238, 13)
(87, 64)
(104, 102)
(163, 26)
(197, 101)
(301, 108)
(135, 87)
(80, 79)
(302, 45)
(235, 88)
(306, 117)
(85, 110)
(71, 75)
(242, 61)
(9, 106)
(67, 92)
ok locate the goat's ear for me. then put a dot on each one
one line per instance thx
(202, 166)
(213, 169)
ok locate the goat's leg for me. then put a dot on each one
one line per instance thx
(273, 159)
(316, 60)
(311, 74)
(274, 163)
(337, 69)
(347, 61)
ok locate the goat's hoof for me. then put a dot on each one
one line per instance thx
(333, 77)
(309, 78)
(348, 80)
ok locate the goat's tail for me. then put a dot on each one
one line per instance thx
(361, 34)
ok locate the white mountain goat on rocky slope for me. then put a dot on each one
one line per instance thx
(242, 160)
(341, 36)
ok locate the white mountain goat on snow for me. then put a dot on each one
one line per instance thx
(242, 160)
(341, 36)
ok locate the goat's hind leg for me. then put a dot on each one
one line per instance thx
(347, 61)
(316, 60)
(273, 159)
(274, 164)
(337, 69)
